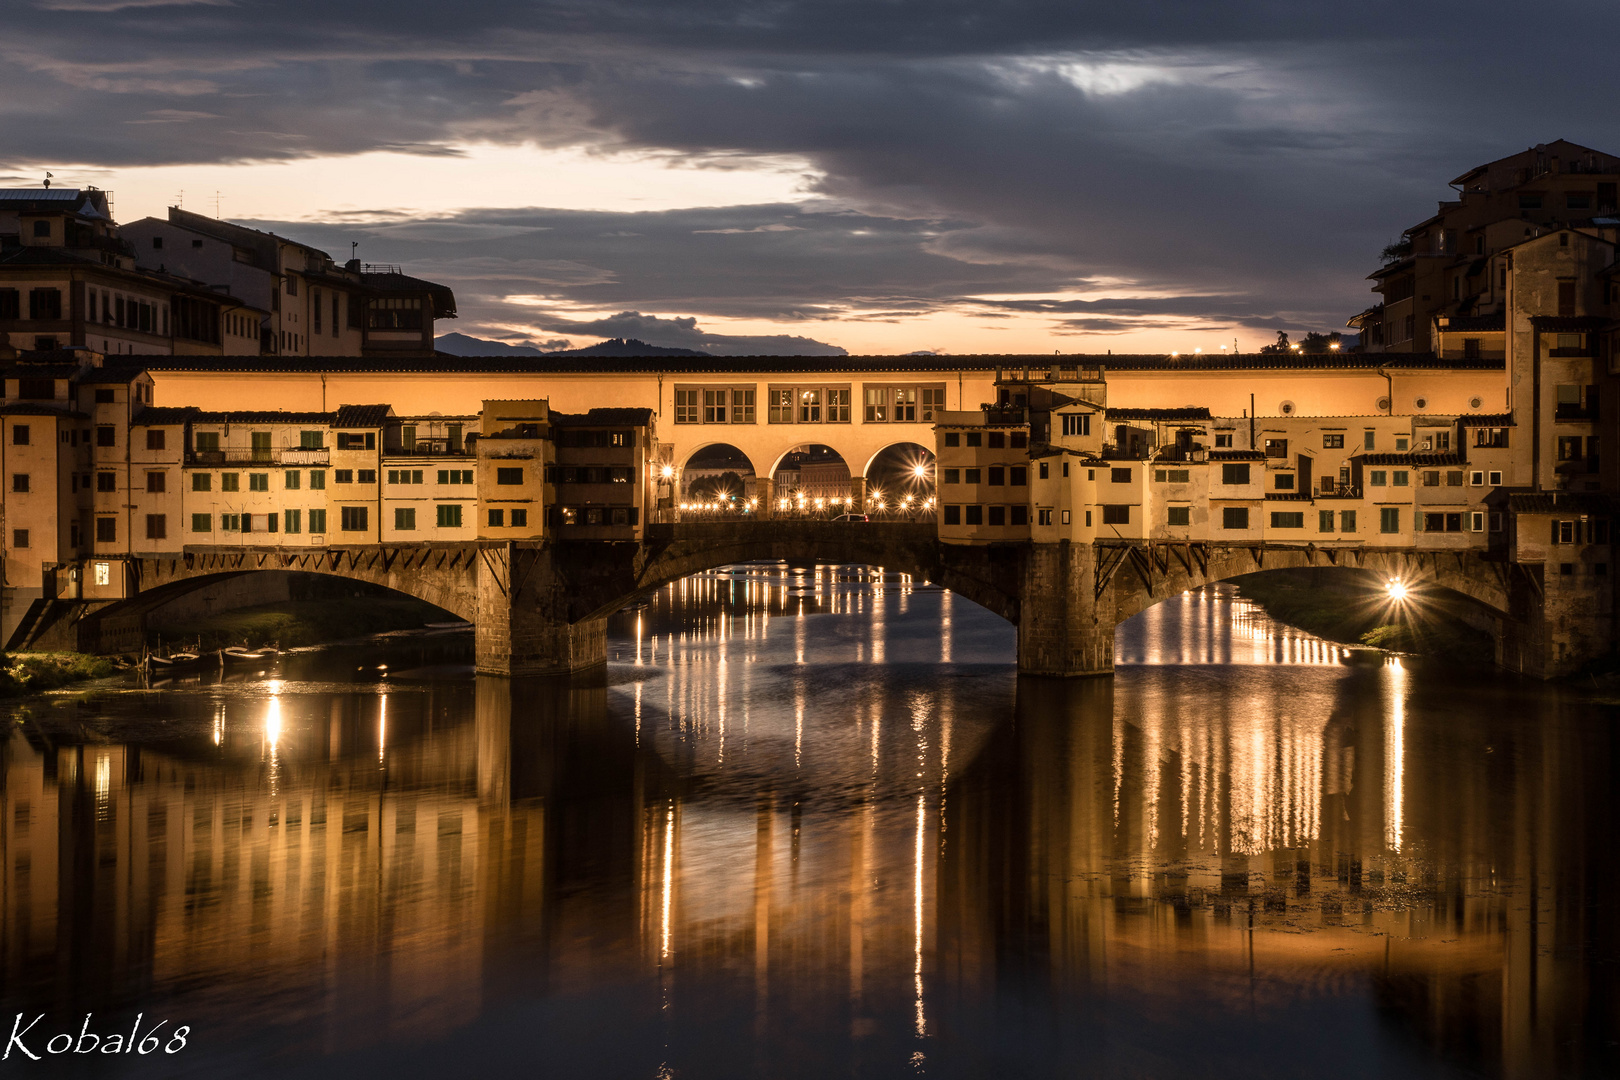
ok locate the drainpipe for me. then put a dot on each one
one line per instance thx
(1251, 421)
(1389, 392)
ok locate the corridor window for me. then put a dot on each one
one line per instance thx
(687, 403)
(838, 405)
(905, 405)
(714, 406)
(780, 405)
(933, 401)
(877, 408)
(742, 407)
(809, 406)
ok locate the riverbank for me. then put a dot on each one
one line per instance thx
(34, 673)
(1353, 609)
(296, 623)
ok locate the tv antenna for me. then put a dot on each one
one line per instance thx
(48, 181)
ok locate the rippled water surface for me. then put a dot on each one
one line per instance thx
(811, 824)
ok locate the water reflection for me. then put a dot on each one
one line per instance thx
(811, 824)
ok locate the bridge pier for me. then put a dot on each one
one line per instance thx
(1063, 628)
(522, 626)
(765, 494)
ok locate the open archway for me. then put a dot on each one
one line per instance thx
(814, 480)
(716, 480)
(900, 481)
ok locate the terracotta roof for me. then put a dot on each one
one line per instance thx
(361, 416)
(1183, 414)
(1563, 502)
(1288, 496)
(603, 417)
(262, 417)
(1486, 420)
(1414, 460)
(1237, 455)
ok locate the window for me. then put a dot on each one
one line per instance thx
(998, 515)
(106, 530)
(405, 518)
(714, 406)
(317, 479)
(293, 522)
(1018, 476)
(953, 438)
(1019, 515)
(10, 304)
(366, 476)
(346, 476)
(779, 404)
(953, 515)
(1171, 476)
(809, 406)
(230, 522)
(353, 518)
(19, 481)
(106, 435)
(404, 476)
(157, 482)
(520, 519)
(974, 438)
(972, 476)
(1043, 516)
(1223, 442)
(1333, 442)
(1566, 298)
(1438, 522)
(975, 515)
(155, 438)
(19, 435)
(229, 481)
(509, 476)
(258, 481)
(207, 442)
(1235, 474)
(346, 440)
(317, 521)
(952, 476)
(1287, 519)
(1569, 447)
(455, 476)
(1367, 440)
(1119, 476)
(1430, 477)
(997, 441)
(838, 405)
(1398, 478)
(742, 407)
(1116, 515)
(1476, 521)
(201, 481)
(1377, 478)
(1347, 521)
(156, 527)
(47, 304)
(1285, 481)
(998, 476)
(1045, 473)
(497, 519)
(1180, 515)
(1076, 423)
(449, 515)
(905, 405)
(877, 410)
(1495, 478)
(1234, 517)
(1476, 478)
(933, 401)
(1324, 521)
(1276, 448)
(19, 538)
(201, 523)
(1389, 519)
(106, 481)
(311, 440)
(290, 480)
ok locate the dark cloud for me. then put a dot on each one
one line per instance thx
(1241, 163)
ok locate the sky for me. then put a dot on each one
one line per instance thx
(869, 176)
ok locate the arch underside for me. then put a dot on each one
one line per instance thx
(1146, 575)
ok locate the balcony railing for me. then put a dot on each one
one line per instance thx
(430, 448)
(1575, 412)
(214, 459)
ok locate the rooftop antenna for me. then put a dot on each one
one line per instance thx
(216, 205)
(182, 199)
(48, 181)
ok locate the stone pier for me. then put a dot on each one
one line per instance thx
(523, 626)
(1062, 630)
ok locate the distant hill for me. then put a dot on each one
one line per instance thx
(626, 347)
(463, 345)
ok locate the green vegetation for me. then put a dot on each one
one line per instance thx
(1351, 607)
(293, 623)
(32, 673)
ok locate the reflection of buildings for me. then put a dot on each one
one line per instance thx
(389, 863)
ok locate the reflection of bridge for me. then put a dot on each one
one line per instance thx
(542, 608)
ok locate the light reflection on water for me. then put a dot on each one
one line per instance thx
(812, 824)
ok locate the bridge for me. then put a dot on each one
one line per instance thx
(542, 608)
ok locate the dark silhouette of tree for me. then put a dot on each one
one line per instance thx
(1280, 345)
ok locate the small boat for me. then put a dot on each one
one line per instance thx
(175, 663)
(459, 624)
(240, 657)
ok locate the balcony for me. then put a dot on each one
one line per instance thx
(217, 459)
(1575, 412)
(431, 448)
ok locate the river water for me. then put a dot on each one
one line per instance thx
(811, 824)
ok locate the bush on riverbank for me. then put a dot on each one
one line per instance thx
(294, 623)
(32, 673)
(1350, 607)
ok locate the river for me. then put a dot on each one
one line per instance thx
(811, 824)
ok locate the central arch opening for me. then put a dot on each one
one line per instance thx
(718, 480)
(814, 480)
